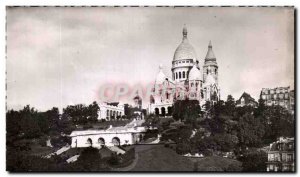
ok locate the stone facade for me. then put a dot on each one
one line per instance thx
(110, 111)
(113, 136)
(281, 96)
(187, 80)
(246, 100)
(281, 156)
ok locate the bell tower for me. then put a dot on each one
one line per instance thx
(210, 64)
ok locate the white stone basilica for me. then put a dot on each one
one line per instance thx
(188, 81)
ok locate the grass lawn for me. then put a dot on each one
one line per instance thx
(38, 150)
(34, 148)
(216, 163)
(159, 158)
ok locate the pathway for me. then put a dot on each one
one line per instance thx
(116, 149)
(72, 159)
(59, 151)
(129, 167)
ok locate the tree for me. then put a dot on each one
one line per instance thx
(221, 142)
(183, 147)
(254, 161)
(29, 124)
(151, 121)
(89, 160)
(261, 107)
(186, 110)
(93, 110)
(128, 111)
(251, 130)
(53, 118)
(229, 105)
(12, 125)
(276, 120)
(65, 124)
(43, 122)
(78, 113)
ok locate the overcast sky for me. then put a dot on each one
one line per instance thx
(61, 56)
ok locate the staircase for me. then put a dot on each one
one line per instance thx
(116, 149)
(72, 159)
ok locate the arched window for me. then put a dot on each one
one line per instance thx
(216, 70)
(176, 76)
(170, 110)
(89, 142)
(207, 71)
(179, 75)
(101, 141)
(183, 74)
(156, 111)
(116, 141)
(163, 111)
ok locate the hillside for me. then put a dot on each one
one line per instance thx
(159, 158)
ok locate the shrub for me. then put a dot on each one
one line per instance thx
(42, 142)
(233, 167)
(167, 145)
(207, 152)
(60, 141)
(87, 126)
(114, 159)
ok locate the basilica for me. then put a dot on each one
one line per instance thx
(191, 79)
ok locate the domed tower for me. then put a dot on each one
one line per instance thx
(163, 88)
(210, 65)
(195, 84)
(183, 60)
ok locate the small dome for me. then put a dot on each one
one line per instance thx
(161, 77)
(185, 50)
(210, 80)
(195, 73)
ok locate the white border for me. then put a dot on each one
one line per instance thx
(111, 3)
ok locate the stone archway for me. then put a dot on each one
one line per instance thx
(101, 141)
(163, 111)
(90, 142)
(116, 141)
(156, 111)
(170, 110)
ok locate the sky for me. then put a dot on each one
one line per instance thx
(57, 56)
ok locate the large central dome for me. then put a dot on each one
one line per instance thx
(185, 50)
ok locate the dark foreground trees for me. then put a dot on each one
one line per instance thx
(29, 129)
(254, 161)
(187, 110)
(82, 114)
(227, 128)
